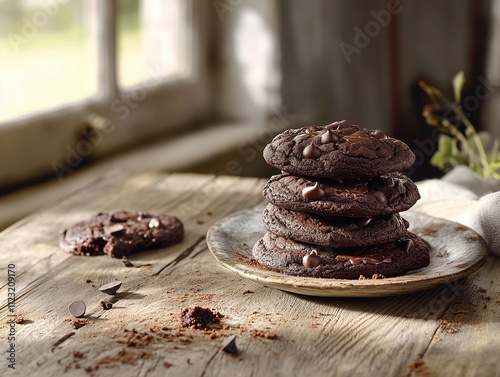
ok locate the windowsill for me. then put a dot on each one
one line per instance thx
(171, 154)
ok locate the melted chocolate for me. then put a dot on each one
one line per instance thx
(363, 222)
(358, 136)
(313, 192)
(342, 125)
(405, 244)
(311, 152)
(359, 188)
(311, 132)
(311, 260)
(379, 134)
(380, 196)
(365, 258)
(365, 152)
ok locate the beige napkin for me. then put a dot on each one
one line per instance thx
(464, 197)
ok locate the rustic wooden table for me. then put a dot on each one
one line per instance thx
(452, 330)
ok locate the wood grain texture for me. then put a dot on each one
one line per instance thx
(452, 328)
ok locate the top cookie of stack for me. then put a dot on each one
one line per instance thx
(338, 150)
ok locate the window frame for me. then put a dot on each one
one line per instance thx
(51, 138)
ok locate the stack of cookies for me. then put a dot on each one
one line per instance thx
(334, 210)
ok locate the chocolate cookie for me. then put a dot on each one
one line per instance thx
(294, 258)
(338, 150)
(332, 230)
(121, 233)
(367, 197)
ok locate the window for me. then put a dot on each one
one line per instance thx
(151, 40)
(47, 56)
(67, 65)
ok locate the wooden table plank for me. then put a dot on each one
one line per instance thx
(314, 336)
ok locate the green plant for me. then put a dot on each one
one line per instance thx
(456, 147)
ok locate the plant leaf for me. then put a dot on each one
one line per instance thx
(458, 84)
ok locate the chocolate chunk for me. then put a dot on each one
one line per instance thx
(311, 131)
(114, 229)
(111, 288)
(358, 136)
(154, 223)
(229, 345)
(106, 305)
(311, 152)
(311, 260)
(380, 196)
(405, 244)
(342, 125)
(77, 309)
(364, 222)
(379, 134)
(313, 192)
(389, 182)
(329, 137)
(126, 262)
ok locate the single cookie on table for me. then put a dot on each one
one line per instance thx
(121, 233)
(366, 197)
(301, 259)
(332, 230)
(338, 150)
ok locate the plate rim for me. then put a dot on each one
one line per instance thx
(329, 287)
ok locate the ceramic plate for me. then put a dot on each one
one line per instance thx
(455, 250)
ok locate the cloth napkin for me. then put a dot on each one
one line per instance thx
(463, 196)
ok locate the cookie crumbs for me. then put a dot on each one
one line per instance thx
(198, 317)
(77, 323)
(88, 281)
(419, 368)
(247, 291)
(473, 238)
(378, 276)
(19, 320)
(263, 334)
(429, 232)
(166, 364)
(448, 327)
